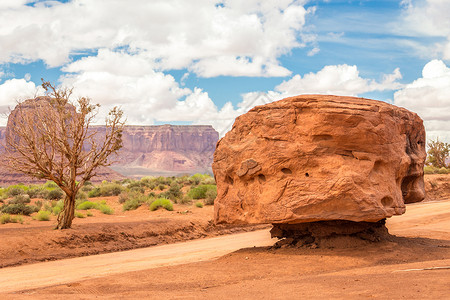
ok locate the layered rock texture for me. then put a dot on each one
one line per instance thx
(319, 158)
(150, 150)
(166, 150)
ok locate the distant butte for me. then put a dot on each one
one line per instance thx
(165, 150)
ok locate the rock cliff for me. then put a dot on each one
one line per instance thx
(151, 150)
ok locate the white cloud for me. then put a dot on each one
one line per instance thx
(337, 80)
(15, 90)
(429, 97)
(428, 18)
(206, 38)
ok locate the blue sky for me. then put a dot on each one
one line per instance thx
(206, 62)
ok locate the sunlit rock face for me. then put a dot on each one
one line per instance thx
(318, 158)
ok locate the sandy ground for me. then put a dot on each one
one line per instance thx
(414, 264)
(36, 241)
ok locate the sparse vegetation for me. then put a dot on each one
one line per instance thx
(161, 202)
(43, 215)
(7, 218)
(133, 194)
(79, 214)
(199, 192)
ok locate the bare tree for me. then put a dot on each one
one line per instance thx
(437, 153)
(49, 138)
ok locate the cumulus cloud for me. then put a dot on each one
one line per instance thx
(15, 90)
(337, 80)
(228, 37)
(428, 18)
(428, 96)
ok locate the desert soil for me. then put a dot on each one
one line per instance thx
(413, 264)
(37, 241)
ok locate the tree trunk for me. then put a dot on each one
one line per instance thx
(67, 215)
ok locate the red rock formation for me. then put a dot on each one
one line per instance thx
(166, 150)
(319, 158)
(150, 150)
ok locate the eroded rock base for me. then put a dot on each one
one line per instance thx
(329, 234)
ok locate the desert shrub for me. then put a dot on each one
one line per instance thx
(34, 192)
(79, 214)
(184, 200)
(161, 187)
(210, 196)
(134, 201)
(39, 204)
(87, 205)
(199, 204)
(7, 218)
(443, 171)
(95, 192)
(43, 215)
(50, 185)
(174, 191)
(199, 192)
(55, 194)
(89, 214)
(81, 196)
(161, 202)
(15, 190)
(110, 189)
(87, 188)
(198, 178)
(105, 209)
(101, 206)
(22, 198)
(19, 209)
(136, 189)
(56, 210)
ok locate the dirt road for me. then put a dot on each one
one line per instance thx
(415, 264)
(75, 269)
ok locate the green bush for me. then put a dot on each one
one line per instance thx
(110, 189)
(161, 202)
(210, 196)
(19, 209)
(89, 214)
(134, 201)
(199, 192)
(136, 189)
(199, 204)
(79, 215)
(55, 194)
(174, 192)
(87, 205)
(50, 185)
(6, 218)
(95, 192)
(81, 196)
(34, 192)
(185, 200)
(21, 198)
(43, 215)
(101, 206)
(443, 171)
(15, 190)
(434, 170)
(56, 210)
(105, 209)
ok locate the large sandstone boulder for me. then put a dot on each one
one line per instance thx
(318, 158)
